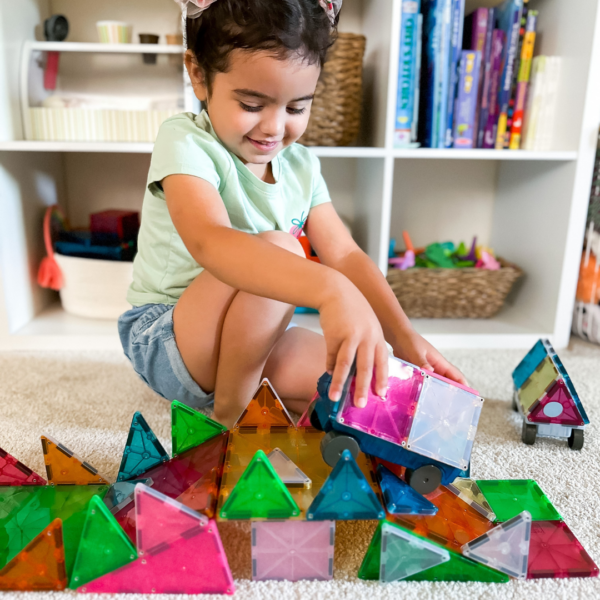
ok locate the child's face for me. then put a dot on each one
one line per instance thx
(261, 105)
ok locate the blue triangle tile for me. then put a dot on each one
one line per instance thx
(529, 364)
(345, 495)
(142, 450)
(400, 498)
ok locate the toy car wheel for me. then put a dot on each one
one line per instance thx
(529, 434)
(425, 479)
(313, 417)
(334, 443)
(576, 439)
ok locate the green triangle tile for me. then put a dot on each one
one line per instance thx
(103, 547)
(259, 494)
(190, 428)
(510, 497)
(458, 568)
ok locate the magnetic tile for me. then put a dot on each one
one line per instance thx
(120, 493)
(445, 423)
(556, 406)
(40, 566)
(193, 565)
(468, 491)
(265, 409)
(399, 498)
(404, 554)
(387, 418)
(509, 497)
(289, 473)
(292, 550)
(454, 524)
(529, 364)
(345, 495)
(554, 552)
(14, 472)
(259, 494)
(190, 428)
(540, 380)
(63, 467)
(161, 520)
(103, 546)
(142, 451)
(504, 548)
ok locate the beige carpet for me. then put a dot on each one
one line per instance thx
(87, 401)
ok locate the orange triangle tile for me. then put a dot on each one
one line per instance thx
(66, 468)
(454, 525)
(40, 565)
(265, 409)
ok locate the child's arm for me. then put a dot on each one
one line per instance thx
(246, 262)
(336, 248)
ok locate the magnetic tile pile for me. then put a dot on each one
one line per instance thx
(155, 529)
(546, 398)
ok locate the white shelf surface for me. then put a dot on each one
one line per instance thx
(55, 329)
(110, 48)
(322, 151)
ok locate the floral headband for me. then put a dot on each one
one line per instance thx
(193, 8)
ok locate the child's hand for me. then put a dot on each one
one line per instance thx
(351, 331)
(416, 350)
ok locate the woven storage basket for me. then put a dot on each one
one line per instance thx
(336, 108)
(453, 293)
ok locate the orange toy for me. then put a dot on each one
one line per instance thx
(264, 409)
(308, 249)
(40, 565)
(455, 523)
(588, 286)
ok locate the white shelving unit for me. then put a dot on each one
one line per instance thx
(529, 206)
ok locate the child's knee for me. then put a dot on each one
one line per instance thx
(283, 240)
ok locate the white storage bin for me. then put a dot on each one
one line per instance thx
(92, 288)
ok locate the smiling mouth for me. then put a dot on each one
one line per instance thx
(263, 145)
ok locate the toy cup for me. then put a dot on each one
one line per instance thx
(175, 39)
(114, 32)
(149, 38)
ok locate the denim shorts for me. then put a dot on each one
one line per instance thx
(148, 340)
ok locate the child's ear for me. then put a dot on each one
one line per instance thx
(196, 76)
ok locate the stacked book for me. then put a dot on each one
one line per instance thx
(473, 82)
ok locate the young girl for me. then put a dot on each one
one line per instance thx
(220, 269)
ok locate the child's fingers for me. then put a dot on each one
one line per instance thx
(448, 370)
(364, 374)
(381, 369)
(343, 364)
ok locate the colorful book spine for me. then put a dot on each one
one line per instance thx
(479, 32)
(431, 42)
(486, 68)
(515, 79)
(489, 135)
(443, 71)
(534, 102)
(407, 80)
(510, 22)
(466, 102)
(456, 42)
(415, 124)
(523, 80)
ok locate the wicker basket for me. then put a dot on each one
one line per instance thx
(453, 293)
(335, 112)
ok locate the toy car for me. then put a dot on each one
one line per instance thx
(425, 423)
(546, 398)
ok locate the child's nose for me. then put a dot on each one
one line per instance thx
(273, 123)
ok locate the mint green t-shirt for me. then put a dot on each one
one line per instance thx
(187, 145)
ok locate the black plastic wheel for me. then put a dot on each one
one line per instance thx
(334, 443)
(425, 479)
(514, 403)
(313, 417)
(576, 439)
(529, 434)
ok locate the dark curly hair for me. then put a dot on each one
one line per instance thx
(284, 28)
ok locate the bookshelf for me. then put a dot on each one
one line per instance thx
(529, 206)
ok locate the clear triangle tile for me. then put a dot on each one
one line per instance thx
(504, 548)
(287, 470)
(468, 491)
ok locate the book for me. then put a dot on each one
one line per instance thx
(466, 101)
(443, 77)
(415, 124)
(489, 134)
(428, 97)
(523, 80)
(479, 25)
(484, 78)
(407, 76)
(509, 19)
(458, 18)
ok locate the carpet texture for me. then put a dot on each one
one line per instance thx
(86, 401)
